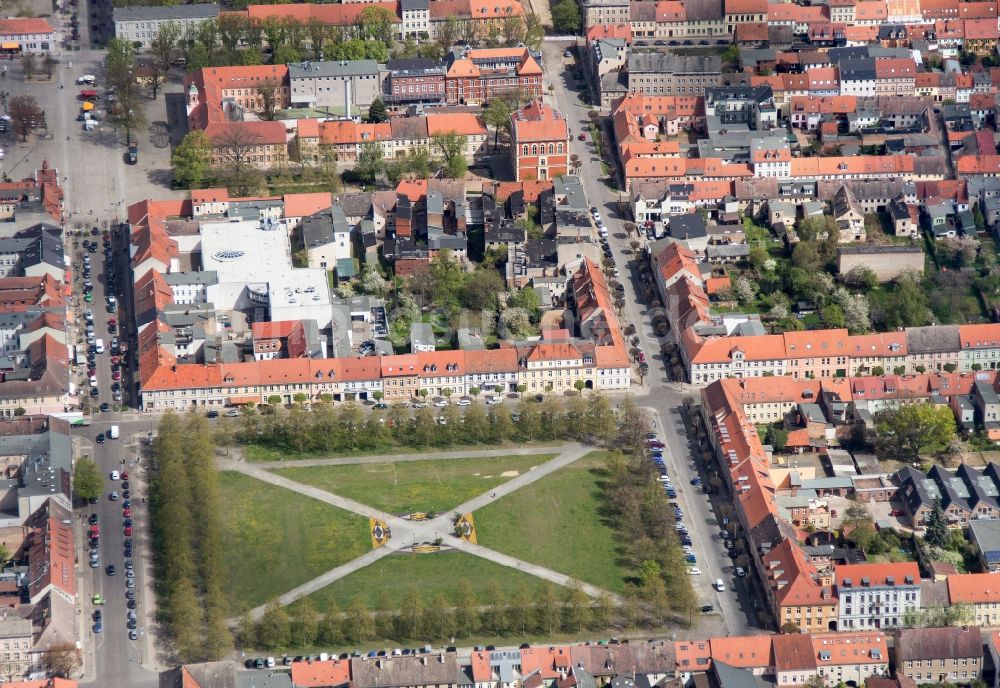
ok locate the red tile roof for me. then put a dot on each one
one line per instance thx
(539, 122)
(974, 588)
(17, 26)
(316, 674)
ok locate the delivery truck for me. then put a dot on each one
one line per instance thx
(113, 432)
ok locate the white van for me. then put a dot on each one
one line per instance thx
(88, 79)
(113, 432)
(100, 346)
(719, 585)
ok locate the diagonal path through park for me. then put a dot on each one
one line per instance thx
(407, 533)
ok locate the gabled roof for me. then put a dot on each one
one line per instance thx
(317, 674)
(539, 122)
(974, 588)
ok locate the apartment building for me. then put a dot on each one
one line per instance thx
(939, 655)
(416, 18)
(656, 73)
(981, 591)
(477, 76)
(414, 80)
(876, 596)
(141, 24)
(263, 144)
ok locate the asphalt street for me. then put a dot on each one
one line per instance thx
(665, 397)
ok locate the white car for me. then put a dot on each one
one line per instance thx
(441, 403)
(114, 475)
(233, 413)
(494, 400)
(740, 571)
(464, 402)
(694, 571)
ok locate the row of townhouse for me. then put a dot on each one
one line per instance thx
(724, 20)
(409, 18)
(838, 658)
(642, 122)
(710, 355)
(541, 367)
(591, 664)
(399, 137)
(918, 656)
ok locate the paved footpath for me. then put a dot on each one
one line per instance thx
(407, 533)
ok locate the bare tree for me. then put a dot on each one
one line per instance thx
(28, 65)
(25, 115)
(49, 65)
(163, 47)
(234, 150)
(268, 94)
(62, 660)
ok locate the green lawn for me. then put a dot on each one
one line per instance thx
(262, 452)
(386, 583)
(408, 486)
(556, 522)
(276, 539)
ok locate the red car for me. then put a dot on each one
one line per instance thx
(642, 357)
(128, 531)
(124, 475)
(582, 137)
(116, 375)
(126, 513)
(895, 512)
(655, 444)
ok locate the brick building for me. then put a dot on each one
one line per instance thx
(540, 144)
(478, 76)
(415, 80)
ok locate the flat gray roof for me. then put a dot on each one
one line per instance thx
(312, 70)
(147, 13)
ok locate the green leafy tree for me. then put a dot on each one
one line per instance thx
(777, 438)
(359, 624)
(376, 23)
(451, 147)
(164, 48)
(377, 112)
(87, 480)
(566, 17)
(192, 159)
(371, 162)
(906, 429)
(908, 305)
(497, 115)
